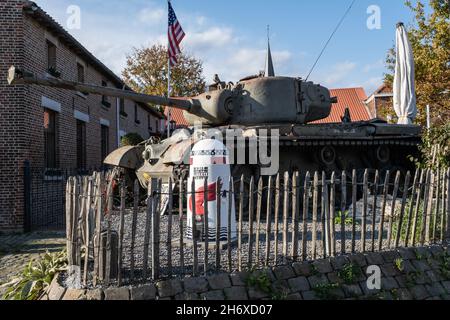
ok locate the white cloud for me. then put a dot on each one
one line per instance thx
(373, 66)
(151, 16)
(214, 37)
(339, 72)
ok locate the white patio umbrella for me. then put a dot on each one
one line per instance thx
(404, 87)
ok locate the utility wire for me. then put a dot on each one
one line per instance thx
(331, 37)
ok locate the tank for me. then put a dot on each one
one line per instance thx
(253, 107)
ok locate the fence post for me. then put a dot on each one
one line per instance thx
(447, 220)
(268, 221)
(27, 196)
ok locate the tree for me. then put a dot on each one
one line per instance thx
(146, 72)
(430, 39)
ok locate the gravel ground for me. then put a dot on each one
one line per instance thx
(259, 261)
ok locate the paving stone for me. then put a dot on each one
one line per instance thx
(390, 256)
(302, 269)
(220, 281)
(283, 273)
(333, 277)
(256, 294)
(389, 283)
(404, 294)
(419, 292)
(299, 284)
(169, 288)
(143, 293)
(436, 251)
(55, 291)
(406, 253)
(422, 253)
(402, 281)
(352, 290)
(358, 259)
(95, 295)
(122, 294)
(366, 291)
(435, 289)
(280, 287)
(389, 270)
(236, 293)
(422, 278)
(336, 294)
(446, 285)
(309, 295)
(421, 265)
(195, 285)
(187, 296)
(323, 266)
(434, 276)
(434, 264)
(374, 258)
(339, 262)
(408, 267)
(294, 296)
(73, 294)
(216, 295)
(239, 278)
(314, 281)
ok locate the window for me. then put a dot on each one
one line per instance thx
(122, 108)
(136, 115)
(149, 121)
(50, 139)
(105, 142)
(81, 145)
(80, 73)
(105, 101)
(51, 57)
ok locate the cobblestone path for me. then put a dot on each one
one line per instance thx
(17, 250)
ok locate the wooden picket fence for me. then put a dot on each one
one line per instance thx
(116, 235)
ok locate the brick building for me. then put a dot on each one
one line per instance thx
(380, 101)
(54, 128)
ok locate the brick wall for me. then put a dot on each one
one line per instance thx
(23, 42)
(12, 113)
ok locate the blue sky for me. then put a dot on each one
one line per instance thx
(230, 36)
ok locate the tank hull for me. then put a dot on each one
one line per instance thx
(313, 147)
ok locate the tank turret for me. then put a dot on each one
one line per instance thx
(252, 101)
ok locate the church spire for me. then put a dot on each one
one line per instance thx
(269, 72)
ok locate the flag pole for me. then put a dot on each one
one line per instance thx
(169, 113)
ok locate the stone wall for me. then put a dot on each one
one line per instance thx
(406, 274)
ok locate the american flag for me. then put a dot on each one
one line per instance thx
(176, 35)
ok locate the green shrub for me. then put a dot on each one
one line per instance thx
(350, 273)
(37, 276)
(131, 139)
(438, 140)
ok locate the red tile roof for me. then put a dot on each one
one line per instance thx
(352, 98)
(177, 116)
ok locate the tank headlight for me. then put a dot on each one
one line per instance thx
(147, 176)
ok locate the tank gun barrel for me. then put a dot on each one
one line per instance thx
(18, 76)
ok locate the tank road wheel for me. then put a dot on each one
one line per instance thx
(328, 156)
(383, 154)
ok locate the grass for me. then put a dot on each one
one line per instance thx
(325, 291)
(399, 264)
(350, 273)
(404, 229)
(348, 220)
